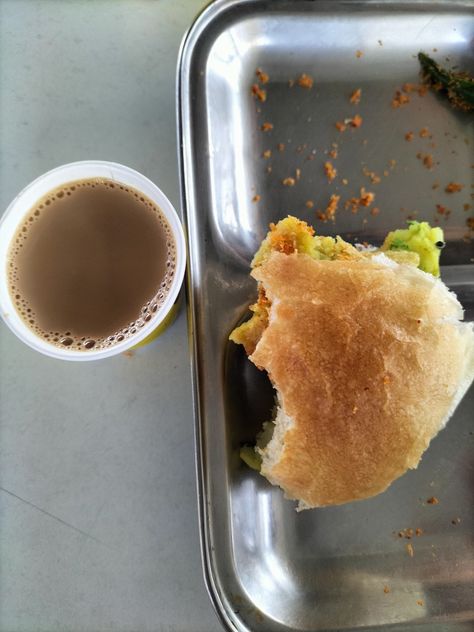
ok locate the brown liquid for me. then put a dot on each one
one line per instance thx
(90, 264)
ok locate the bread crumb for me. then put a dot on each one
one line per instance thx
(298, 174)
(266, 127)
(341, 126)
(375, 211)
(305, 81)
(256, 198)
(345, 181)
(366, 197)
(454, 187)
(424, 132)
(418, 531)
(386, 379)
(419, 602)
(267, 153)
(355, 121)
(288, 182)
(309, 204)
(355, 96)
(281, 147)
(410, 549)
(400, 99)
(258, 92)
(385, 173)
(432, 501)
(466, 207)
(392, 163)
(435, 185)
(128, 354)
(330, 171)
(332, 206)
(409, 136)
(359, 54)
(427, 159)
(262, 76)
(269, 169)
(333, 153)
(386, 590)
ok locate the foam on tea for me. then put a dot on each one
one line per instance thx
(90, 264)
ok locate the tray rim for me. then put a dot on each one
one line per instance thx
(210, 13)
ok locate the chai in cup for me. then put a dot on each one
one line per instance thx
(91, 264)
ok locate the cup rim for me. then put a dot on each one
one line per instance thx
(22, 204)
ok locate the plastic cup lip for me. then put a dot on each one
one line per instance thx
(22, 205)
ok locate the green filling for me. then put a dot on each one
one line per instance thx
(250, 455)
(421, 238)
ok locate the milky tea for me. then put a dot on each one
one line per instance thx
(90, 264)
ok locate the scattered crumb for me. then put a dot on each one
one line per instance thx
(266, 127)
(256, 198)
(258, 92)
(386, 590)
(385, 173)
(298, 174)
(356, 121)
(359, 54)
(345, 181)
(355, 96)
(432, 501)
(332, 206)
(435, 185)
(375, 211)
(418, 531)
(400, 99)
(375, 179)
(309, 204)
(454, 187)
(470, 223)
(466, 207)
(410, 549)
(341, 126)
(281, 147)
(262, 76)
(406, 533)
(456, 521)
(305, 81)
(128, 354)
(409, 136)
(419, 602)
(427, 159)
(267, 153)
(366, 198)
(291, 83)
(424, 132)
(330, 171)
(392, 163)
(269, 169)
(333, 153)
(288, 182)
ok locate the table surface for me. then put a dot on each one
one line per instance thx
(98, 517)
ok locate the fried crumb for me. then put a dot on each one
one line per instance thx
(332, 206)
(258, 92)
(267, 153)
(400, 99)
(309, 204)
(288, 182)
(298, 174)
(410, 549)
(355, 96)
(375, 211)
(266, 127)
(419, 602)
(392, 163)
(341, 126)
(356, 121)
(385, 173)
(359, 54)
(330, 171)
(345, 181)
(432, 501)
(333, 153)
(305, 81)
(426, 159)
(424, 132)
(418, 531)
(262, 76)
(366, 197)
(256, 198)
(406, 533)
(281, 147)
(386, 590)
(375, 179)
(454, 187)
(409, 136)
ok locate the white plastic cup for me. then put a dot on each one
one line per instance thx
(23, 204)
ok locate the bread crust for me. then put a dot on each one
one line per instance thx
(367, 359)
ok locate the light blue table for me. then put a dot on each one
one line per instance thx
(98, 523)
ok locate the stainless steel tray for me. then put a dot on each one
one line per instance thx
(266, 566)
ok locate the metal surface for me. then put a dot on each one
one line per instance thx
(268, 567)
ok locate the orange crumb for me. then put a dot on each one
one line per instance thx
(424, 132)
(385, 173)
(419, 602)
(410, 549)
(359, 54)
(428, 161)
(454, 187)
(392, 163)
(341, 126)
(386, 590)
(366, 198)
(288, 182)
(470, 223)
(330, 171)
(281, 147)
(418, 531)
(375, 211)
(333, 153)
(266, 127)
(305, 81)
(355, 96)
(386, 379)
(258, 92)
(409, 136)
(332, 206)
(400, 99)
(466, 207)
(356, 121)
(309, 203)
(432, 501)
(262, 76)
(267, 153)
(256, 198)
